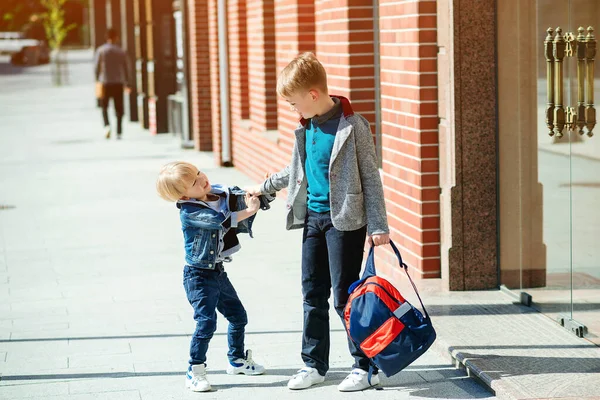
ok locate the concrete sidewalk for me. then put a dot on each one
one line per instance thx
(91, 298)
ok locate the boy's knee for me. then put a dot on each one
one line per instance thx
(321, 302)
(205, 330)
(239, 320)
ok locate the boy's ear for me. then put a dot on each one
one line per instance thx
(314, 95)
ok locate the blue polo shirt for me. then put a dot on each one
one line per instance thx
(320, 135)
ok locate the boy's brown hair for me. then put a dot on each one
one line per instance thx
(304, 72)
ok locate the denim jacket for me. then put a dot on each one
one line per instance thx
(204, 227)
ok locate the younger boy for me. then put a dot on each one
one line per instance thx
(210, 218)
(335, 194)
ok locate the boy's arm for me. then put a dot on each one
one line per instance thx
(241, 215)
(370, 179)
(205, 220)
(253, 204)
(275, 182)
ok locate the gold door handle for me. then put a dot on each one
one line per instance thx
(590, 54)
(558, 53)
(580, 44)
(549, 81)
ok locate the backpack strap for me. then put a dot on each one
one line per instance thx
(405, 268)
(372, 367)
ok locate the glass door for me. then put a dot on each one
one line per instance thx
(550, 285)
(585, 186)
(550, 158)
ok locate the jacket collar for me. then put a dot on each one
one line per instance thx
(344, 130)
(215, 189)
(346, 109)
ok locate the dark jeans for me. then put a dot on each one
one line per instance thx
(209, 291)
(113, 91)
(330, 258)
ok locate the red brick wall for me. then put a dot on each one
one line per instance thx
(261, 65)
(345, 48)
(341, 34)
(199, 79)
(294, 34)
(409, 131)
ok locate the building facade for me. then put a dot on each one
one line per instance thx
(477, 193)
(482, 118)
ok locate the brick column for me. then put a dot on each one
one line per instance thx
(98, 22)
(114, 17)
(409, 140)
(261, 60)
(215, 98)
(200, 70)
(128, 43)
(238, 61)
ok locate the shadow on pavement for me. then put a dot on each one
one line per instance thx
(422, 388)
(502, 309)
(157, 336)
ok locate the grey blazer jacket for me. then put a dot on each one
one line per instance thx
(356, 192)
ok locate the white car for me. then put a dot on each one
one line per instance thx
(23, 50)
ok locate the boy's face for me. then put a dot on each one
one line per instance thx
(199, 188)
(304, 103)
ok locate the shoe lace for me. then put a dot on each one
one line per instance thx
(249, 361)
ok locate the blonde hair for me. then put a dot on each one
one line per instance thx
(174, 179)
(304, 72)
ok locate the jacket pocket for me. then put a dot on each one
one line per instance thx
(352, 211)
(204, 247)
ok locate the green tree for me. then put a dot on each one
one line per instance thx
(56, 32)
(54, 22)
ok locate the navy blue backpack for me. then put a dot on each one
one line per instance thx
(386, 327)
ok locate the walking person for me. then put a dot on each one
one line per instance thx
(112, 72)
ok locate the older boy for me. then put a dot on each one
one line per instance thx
(335, 194)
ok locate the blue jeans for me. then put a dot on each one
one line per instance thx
(330, 259)
(209, 291)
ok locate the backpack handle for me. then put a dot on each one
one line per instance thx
(370, 270)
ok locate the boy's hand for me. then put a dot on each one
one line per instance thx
(255, 190)
(252, 202)
(379, 239)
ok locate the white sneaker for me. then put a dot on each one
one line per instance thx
(305, 378)
(358, 380)
(107, 132)
(195, 378)
(245, 366)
